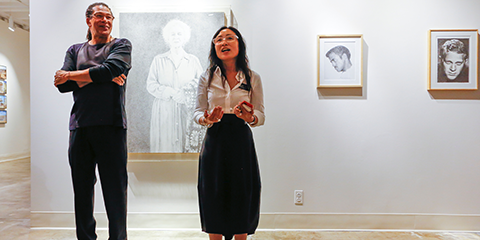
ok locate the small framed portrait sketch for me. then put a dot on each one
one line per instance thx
(3, 80)
(3, 116)
(453, 58)
(3, 87)
(3, 101)
(3, 72)
(339, 61)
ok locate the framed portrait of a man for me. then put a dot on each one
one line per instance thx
(453, 57)
(339, 61)
(170, 53)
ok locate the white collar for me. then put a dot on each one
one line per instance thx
(240, 75)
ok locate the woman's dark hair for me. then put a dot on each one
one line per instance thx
(242, 59)
(89, 14)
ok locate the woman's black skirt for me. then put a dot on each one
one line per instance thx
(229, 179)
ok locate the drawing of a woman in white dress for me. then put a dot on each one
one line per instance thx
(173, 81)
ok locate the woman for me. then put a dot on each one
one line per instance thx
(229, 179)
(173, 80)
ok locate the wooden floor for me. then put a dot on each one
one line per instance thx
(15, 220)
(263, 235)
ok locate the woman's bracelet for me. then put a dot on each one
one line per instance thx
(254, 120)
(204, 122)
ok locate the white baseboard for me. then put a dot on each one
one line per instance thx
(283, 221)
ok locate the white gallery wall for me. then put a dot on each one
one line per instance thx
(389, 155)
(14, 54)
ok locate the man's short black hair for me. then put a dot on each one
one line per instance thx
(339, 50)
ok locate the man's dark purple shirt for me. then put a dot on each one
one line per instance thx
(101, 102)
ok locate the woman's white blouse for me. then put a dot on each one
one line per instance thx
(219, 94)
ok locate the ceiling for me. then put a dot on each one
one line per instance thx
(18, 10)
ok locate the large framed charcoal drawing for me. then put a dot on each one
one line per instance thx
(453, 58)
(170, 52)
(340, 60)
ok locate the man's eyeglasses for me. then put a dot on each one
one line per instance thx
(228, 38)
(101, 16)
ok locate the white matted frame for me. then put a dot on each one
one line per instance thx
(453, 59)
(340, 61)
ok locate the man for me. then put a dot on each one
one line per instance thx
(95, 71)
(453, 62)
(339, 57)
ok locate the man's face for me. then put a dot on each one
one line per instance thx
(101, 21)
(337, 62)
(453, 64)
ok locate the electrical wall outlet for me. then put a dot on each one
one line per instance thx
(298, 197)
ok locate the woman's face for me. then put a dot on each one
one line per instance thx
(226, 45)
(176, 37)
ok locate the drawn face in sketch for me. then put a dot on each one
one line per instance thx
(453, 57)
(337, 62)
(175, 38)
(453, 64)
(339, 57)
(176, 33)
